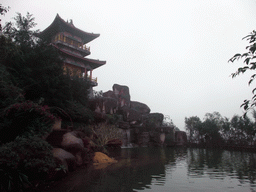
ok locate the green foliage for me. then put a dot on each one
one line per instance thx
(33, 64)
(24, 119)
(31, 79)
(13, 180)
(249, 65)
(24, 160)
(79, 112)
(9, 93)
(97, 94)
(242, 130)
(3, 9)
(193, 127)
(35, 68)
(218, 130)
(169, 123)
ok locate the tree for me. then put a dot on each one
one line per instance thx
(243, 130)
(225, 130)
(213, 126)
(3, 9)
(167, 122)
(249, 64)
(193, 127)
(36, 68)
(31, 79)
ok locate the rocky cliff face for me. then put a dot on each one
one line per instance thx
(138, 125)
(118, 102)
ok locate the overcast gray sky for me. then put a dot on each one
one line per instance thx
(173, 55)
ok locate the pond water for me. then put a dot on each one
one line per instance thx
(166, 169)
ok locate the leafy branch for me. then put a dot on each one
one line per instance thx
(249, 64)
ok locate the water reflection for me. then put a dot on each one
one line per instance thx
(164, 169)
(219, 164)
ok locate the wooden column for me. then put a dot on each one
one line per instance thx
(85, 73)
(91, 74)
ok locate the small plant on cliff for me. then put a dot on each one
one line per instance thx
(97, 94)
(105, 133)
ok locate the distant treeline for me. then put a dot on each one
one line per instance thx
(218, 131)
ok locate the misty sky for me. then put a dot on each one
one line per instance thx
(173, 55)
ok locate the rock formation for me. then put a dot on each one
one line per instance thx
(139, 126)
(180, 138)
(122, 94)
(142, 108)
(69, 147)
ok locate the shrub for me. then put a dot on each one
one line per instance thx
(26, 119)
(105, 133)
(24, 160)
(78, 112)
(9, 93)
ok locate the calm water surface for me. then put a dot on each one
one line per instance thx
(167, 169)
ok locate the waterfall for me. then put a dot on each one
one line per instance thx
(128, 133)
(126, 138)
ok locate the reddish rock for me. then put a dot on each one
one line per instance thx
(66, 158)
(142, 108)
(106, 105)
(130, 115)
(70, 139)
(122, 94)
(153, 119)
(110, 94)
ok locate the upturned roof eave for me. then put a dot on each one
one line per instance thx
(93, 63)
(59, 25)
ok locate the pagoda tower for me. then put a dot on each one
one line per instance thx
(71, 42)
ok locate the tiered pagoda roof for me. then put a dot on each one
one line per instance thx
(59, 25)
(58, 33)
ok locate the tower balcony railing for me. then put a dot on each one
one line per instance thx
(93, 80)
(83, 47)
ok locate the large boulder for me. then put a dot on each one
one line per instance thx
(180, 138)
(75, 145)
(105, 105)
(70, 142)
(70, 138)
(110, 105)
(66, 158)
(122, 94)
(109, 94)
(78, 151)
(153, 120)
(140, 107)
(130, 115)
